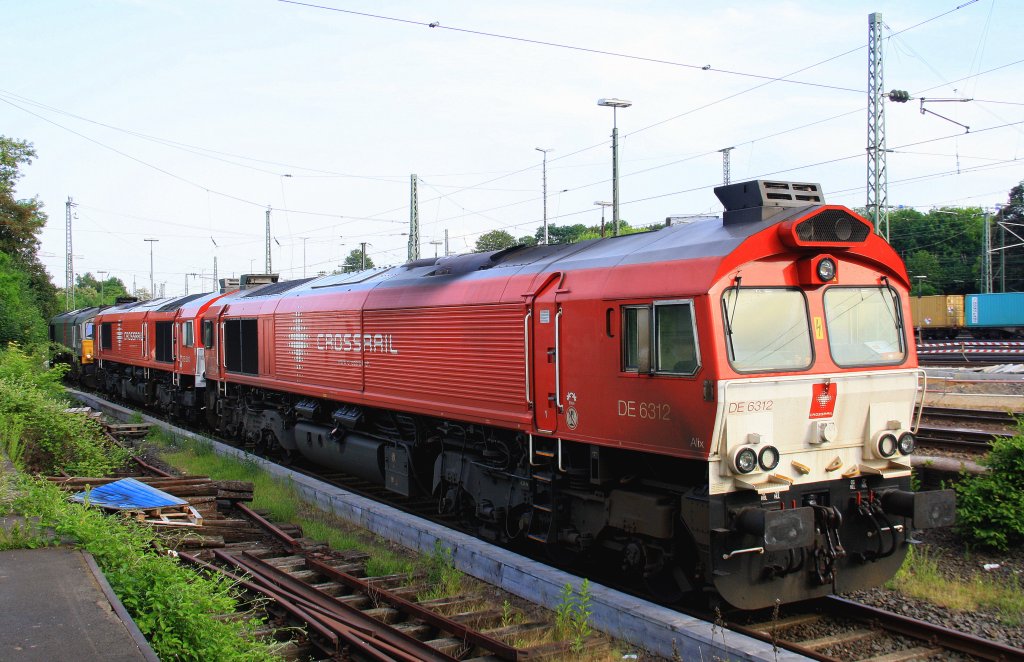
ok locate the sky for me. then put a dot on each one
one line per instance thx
(183, 120)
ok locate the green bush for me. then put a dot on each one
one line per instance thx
(27, 366)
(990, 508)
(34, 428)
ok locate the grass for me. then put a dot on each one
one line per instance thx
(920, 577)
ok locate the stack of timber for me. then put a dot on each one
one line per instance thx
(179, 486)
(202, 495)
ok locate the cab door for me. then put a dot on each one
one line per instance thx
(545, 322)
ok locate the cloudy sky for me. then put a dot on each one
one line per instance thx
(182, 120)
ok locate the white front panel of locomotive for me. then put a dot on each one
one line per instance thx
(823, 427)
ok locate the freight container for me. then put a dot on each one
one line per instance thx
(1004, 310)
(938, 316)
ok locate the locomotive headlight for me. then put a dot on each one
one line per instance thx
(744, 460)
(906, 443)
(887, 445)
(768, 458)
(826, 269)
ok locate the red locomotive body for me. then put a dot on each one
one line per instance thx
(727, 403)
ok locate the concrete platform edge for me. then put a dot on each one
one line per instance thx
(122, 613)
(657, 629)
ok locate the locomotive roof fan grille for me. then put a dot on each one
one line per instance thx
(832, 226)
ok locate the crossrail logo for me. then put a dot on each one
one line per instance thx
(823, 400)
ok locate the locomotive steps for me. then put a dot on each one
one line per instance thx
(660, 630)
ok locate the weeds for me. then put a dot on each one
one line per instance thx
(509, 617)
(572, 616)
(443, 578)
(921, 577)
(20, 535)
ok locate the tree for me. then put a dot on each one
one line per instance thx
(89, 291)
(20, 223)
(1008, 263)
(561, 234)
(495, 240)
(571, 234)
(21, 321)
(354, 261)
(943, 245)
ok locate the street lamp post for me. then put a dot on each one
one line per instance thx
(152, 283)
(615, 104)
(545, 188)
(602, 205)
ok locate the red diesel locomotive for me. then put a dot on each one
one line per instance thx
(722, 405)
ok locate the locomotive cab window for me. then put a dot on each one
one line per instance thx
(766, 329)
(106, 335)
(661, 339)
(186, 334)
(208, 334)
(864, 326)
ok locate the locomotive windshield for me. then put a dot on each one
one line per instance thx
(766, 329)
(864, 326)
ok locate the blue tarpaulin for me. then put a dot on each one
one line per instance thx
(129, 494)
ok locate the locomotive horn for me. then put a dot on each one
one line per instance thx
(780, 529)
(929, 510)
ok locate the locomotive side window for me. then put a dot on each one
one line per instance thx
(208, 334)
(186, 334)
(864, 326)
(766, 329)
(106, 335)
(241, 346)
(668, 346)
(675, 338)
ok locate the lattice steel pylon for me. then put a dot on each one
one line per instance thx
(268, 271)
(414, 220)
(878, 177)
(726, 165)
(69, 265)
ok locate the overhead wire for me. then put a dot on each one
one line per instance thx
(540, 42)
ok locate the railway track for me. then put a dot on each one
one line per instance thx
(974, 415)
(321, 605)
(839, 630)
(963, 352)
(952, 437)
(347, 614)
(958, 439)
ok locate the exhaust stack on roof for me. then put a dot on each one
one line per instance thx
(758, 200)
